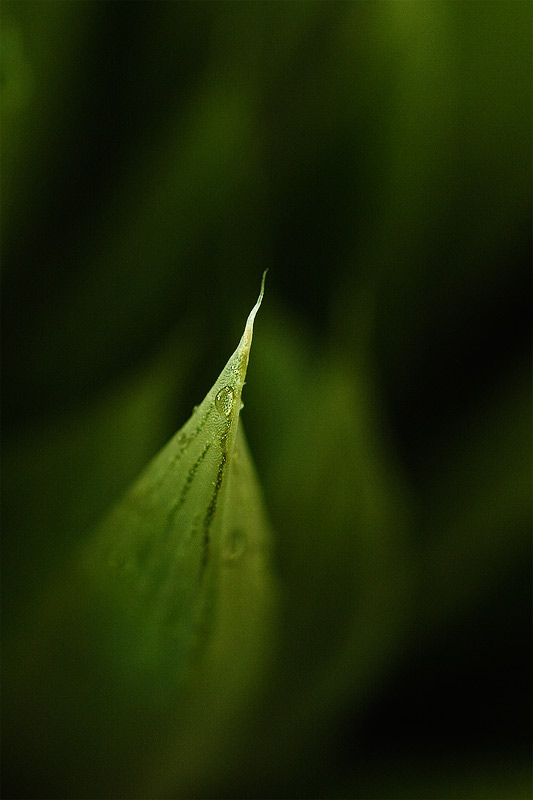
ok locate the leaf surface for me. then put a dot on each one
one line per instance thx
(154, 647)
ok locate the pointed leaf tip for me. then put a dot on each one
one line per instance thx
(255, 309)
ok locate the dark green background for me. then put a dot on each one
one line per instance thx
(376, 157)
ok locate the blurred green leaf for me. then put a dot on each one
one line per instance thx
(341, 555)
(476, 499)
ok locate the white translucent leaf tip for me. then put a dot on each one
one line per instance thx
(251, 316)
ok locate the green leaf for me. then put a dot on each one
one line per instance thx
(141, 665)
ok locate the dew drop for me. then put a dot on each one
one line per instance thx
(224, 401)
(234, 544)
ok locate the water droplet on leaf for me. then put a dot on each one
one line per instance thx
(224, 401)
(234, 544)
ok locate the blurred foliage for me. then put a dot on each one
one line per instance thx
(156, 157)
